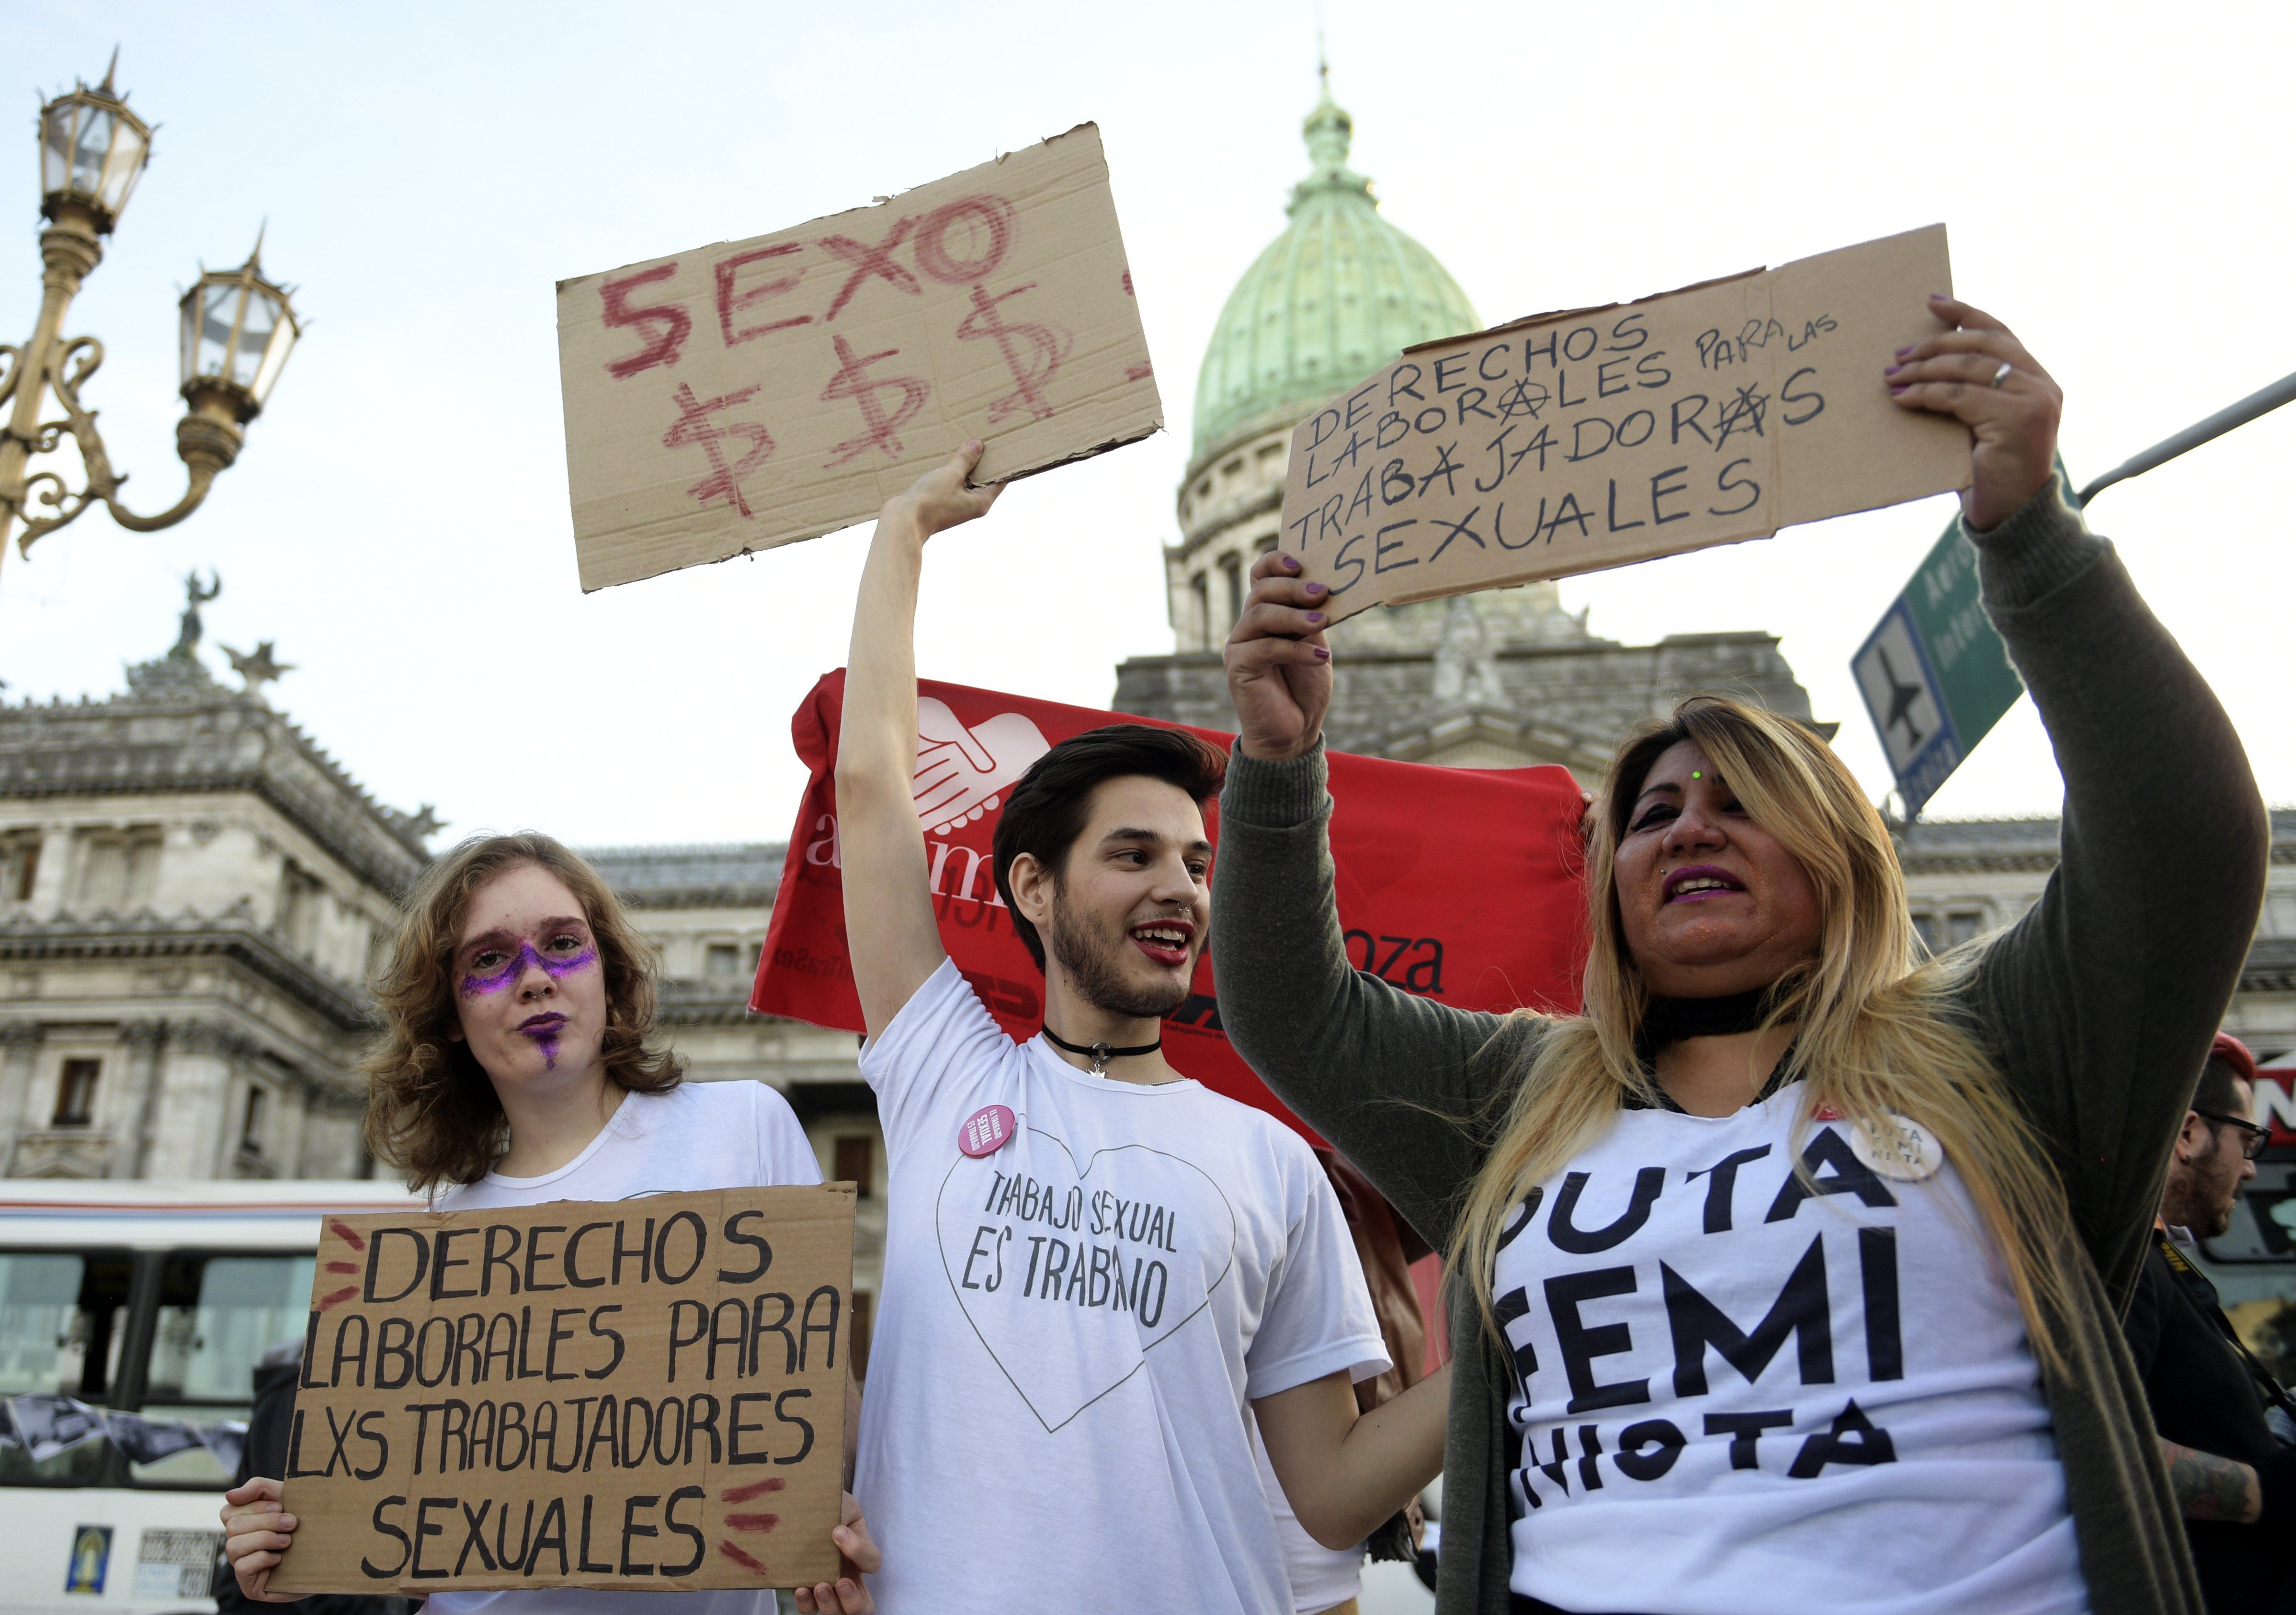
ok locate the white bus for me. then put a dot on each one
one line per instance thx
(149, 1298)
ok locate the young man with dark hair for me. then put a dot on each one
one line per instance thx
(2234, 1480)
(1097, 1273)
(1049, 810)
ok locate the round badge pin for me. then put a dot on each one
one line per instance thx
(985, 1131)
(1908, 1152)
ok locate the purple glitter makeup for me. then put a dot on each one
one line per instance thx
(474, 985)
(546, 1038)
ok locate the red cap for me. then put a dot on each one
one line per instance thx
(2235, 1054)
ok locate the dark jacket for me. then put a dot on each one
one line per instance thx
(2205, 1395)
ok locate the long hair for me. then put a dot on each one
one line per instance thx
(1877, 1033)
(431, 1110)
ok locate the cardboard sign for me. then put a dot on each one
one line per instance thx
(1463, 885)
(753, 393)
(1577, 441)
(641, 1394)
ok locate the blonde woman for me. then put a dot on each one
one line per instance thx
(1786, 1276)
(518, 1065)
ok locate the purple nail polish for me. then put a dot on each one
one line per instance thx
(1291, 563)
(1321, 654)
(1902, 352)
(1890, 370)
(1894, 391)
(1315, 588)
(1314, 617)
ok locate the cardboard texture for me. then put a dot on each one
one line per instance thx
(1577, 441)
(754, 393)
(643, 1394)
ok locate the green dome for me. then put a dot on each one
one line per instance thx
(1333, 299)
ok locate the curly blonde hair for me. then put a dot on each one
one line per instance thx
(431, 1110)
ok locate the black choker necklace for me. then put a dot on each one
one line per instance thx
(1671, 1020)
(1100, 1054)
(1668, 1019)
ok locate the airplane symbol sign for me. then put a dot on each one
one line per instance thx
(1935, 675)
(1894, 678)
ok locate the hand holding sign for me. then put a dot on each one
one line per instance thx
(257, 1530)
(1279, 666)
(944, 498)
(858, 1557)
(1981, 375)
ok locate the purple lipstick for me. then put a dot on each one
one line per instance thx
(544, 1029)
(1699, 882)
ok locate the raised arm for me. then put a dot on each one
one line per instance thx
(2100, 1002)
(1387, 1075)
(889, 915)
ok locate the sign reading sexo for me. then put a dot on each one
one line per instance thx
(752, 393)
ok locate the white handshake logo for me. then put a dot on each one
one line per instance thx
(963, 772)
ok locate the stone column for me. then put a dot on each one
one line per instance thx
(52, 880)
(292, 1100)
(195, 1087)
(20, 1048)
(140, 1045)
(331, 1136)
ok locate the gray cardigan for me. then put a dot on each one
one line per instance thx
(2097, 1006)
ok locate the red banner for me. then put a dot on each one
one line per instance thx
(1461, 884)
(2275, 1101)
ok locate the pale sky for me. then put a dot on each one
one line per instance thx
(2116, 180)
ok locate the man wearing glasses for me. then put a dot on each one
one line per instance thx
(2233, 1478)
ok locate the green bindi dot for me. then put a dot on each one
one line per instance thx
(1697, 773)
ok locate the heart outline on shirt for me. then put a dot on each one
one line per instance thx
(1140, 1349)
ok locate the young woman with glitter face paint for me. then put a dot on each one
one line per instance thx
(519, 1064)
(530, 1005)
(518, 1014)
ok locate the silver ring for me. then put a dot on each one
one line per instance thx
(2001, 374)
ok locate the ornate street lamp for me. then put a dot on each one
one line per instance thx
(237, 330)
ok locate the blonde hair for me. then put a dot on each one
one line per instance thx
(431, 1110)
(1877, 1034)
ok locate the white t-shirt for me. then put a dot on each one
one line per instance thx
(1075, 1323)
(1733, 1394)
(698, 1136)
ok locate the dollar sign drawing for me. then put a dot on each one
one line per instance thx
(694, 427)
(1033, 353)
(853, 380)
